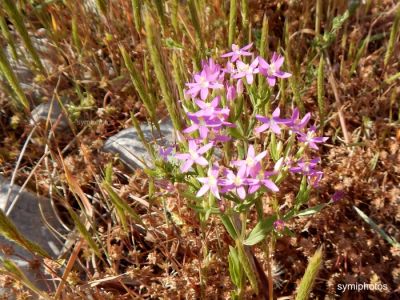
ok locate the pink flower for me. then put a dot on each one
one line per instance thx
(239, 87)
(208, 109)
(209, 117)
(203, 82)
(314, 178)
(308, 168)
(165, 152)
(194, 155)
(279, 225)
(262, 179)
(235, 182)
(295, 124)
(311, 139)
(210, 183)
(271, 123)
(246, 70)
(210, 67)
(337, 196)
(236, 52)
(272, 70)
(252, 162)
(230, 92)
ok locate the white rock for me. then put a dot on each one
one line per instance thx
(41, 112)
(130, 148)
(27, 218)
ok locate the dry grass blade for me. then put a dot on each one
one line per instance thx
(342, 120)
(76, 189)
(68, 268)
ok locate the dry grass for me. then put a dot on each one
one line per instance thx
(163, 257)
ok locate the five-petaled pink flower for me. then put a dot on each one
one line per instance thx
(246, 70)
(273, 70)
(237, 52)
(194, 155)
(262, 179)
(235, 182)
(295, 123)
(272, 123)
(311, 139)
(306, 167)
(252, 162)
(210, 183)
(203, 82)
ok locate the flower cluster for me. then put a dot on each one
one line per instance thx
(212, 96)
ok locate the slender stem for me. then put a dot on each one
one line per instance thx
(269, 266)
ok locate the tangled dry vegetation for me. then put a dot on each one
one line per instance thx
(79, 47)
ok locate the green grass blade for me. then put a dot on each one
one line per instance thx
(14, 271)
(121, 204)
(247, 266)
(160, 71)
(83, 231)
(15, 16)
(8, 73)
(174, 15)
(140, 133)
(320, 92)
(138, 84)
(310, 275)
(393, 35)
(375, 227)
(244, 9)
(197, 28)
(263, 48)
(159, 4)
(8, 36)
(232, 22)
(137, 15)
(10, 232)
(101, 7)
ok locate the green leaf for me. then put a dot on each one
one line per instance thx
(229, 226)
(312, 210)
(260, 231)
(248, 267)
(236, 133)
(303, 194)
(234, 267)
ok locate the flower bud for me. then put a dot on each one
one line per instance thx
(279, 225)
(230, 93)
(239, 87)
